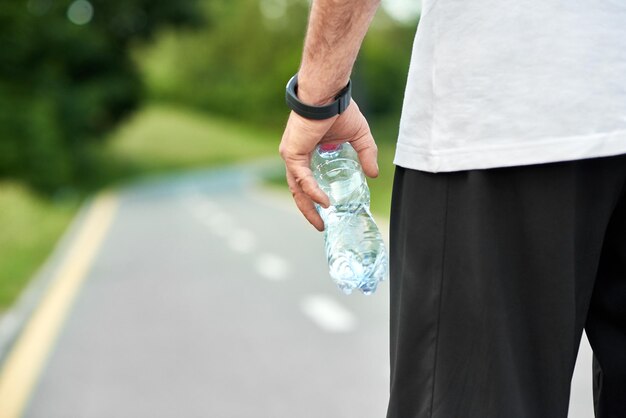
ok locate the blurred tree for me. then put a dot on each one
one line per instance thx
(382, 66)
(238, 65)
(66, 77)
(235, 66)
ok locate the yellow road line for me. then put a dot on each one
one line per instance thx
(24, 364)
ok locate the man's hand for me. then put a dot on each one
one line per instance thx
(300, 138)
(336, 30)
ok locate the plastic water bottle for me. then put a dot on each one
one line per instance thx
(357, 258)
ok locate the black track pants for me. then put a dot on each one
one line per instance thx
(494, 275)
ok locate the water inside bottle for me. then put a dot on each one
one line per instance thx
(356, 254)
(355, 249)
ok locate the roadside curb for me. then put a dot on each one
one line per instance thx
(13, 320)
(35, 330)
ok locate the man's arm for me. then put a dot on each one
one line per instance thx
(334, 36)
(336, 30)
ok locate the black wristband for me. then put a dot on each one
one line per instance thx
(341, 102)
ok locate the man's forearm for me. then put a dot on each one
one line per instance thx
(336, 30)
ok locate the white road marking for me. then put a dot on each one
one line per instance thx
(238, 239)
(200, 203)
(242, 241)
(209, 213)
(272, 267)
(328, 314)
(207, 206)
(220, 223)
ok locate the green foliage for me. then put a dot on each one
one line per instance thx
(235, 67)
(381, 69)
(238, 66)
(64, 84)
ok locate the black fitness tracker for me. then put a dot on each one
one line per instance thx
(341, 102)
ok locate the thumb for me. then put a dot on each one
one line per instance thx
(366, 148)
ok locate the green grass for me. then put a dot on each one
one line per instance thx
(162, 138)
(30, 227)
(156, 139)
(380, 187)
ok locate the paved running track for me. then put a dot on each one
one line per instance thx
(208, 297)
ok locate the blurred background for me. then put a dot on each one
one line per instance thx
(93, 93)
(208, 296)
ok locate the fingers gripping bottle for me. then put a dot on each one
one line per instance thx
(357, 258)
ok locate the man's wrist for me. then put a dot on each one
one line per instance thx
(317, 94)
(311, 110)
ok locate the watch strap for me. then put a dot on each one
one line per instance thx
(338, 106)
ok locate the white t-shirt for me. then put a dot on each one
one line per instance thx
(496, 83)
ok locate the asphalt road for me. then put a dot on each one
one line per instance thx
(209, 297)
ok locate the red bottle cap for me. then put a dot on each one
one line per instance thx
(329, 147)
